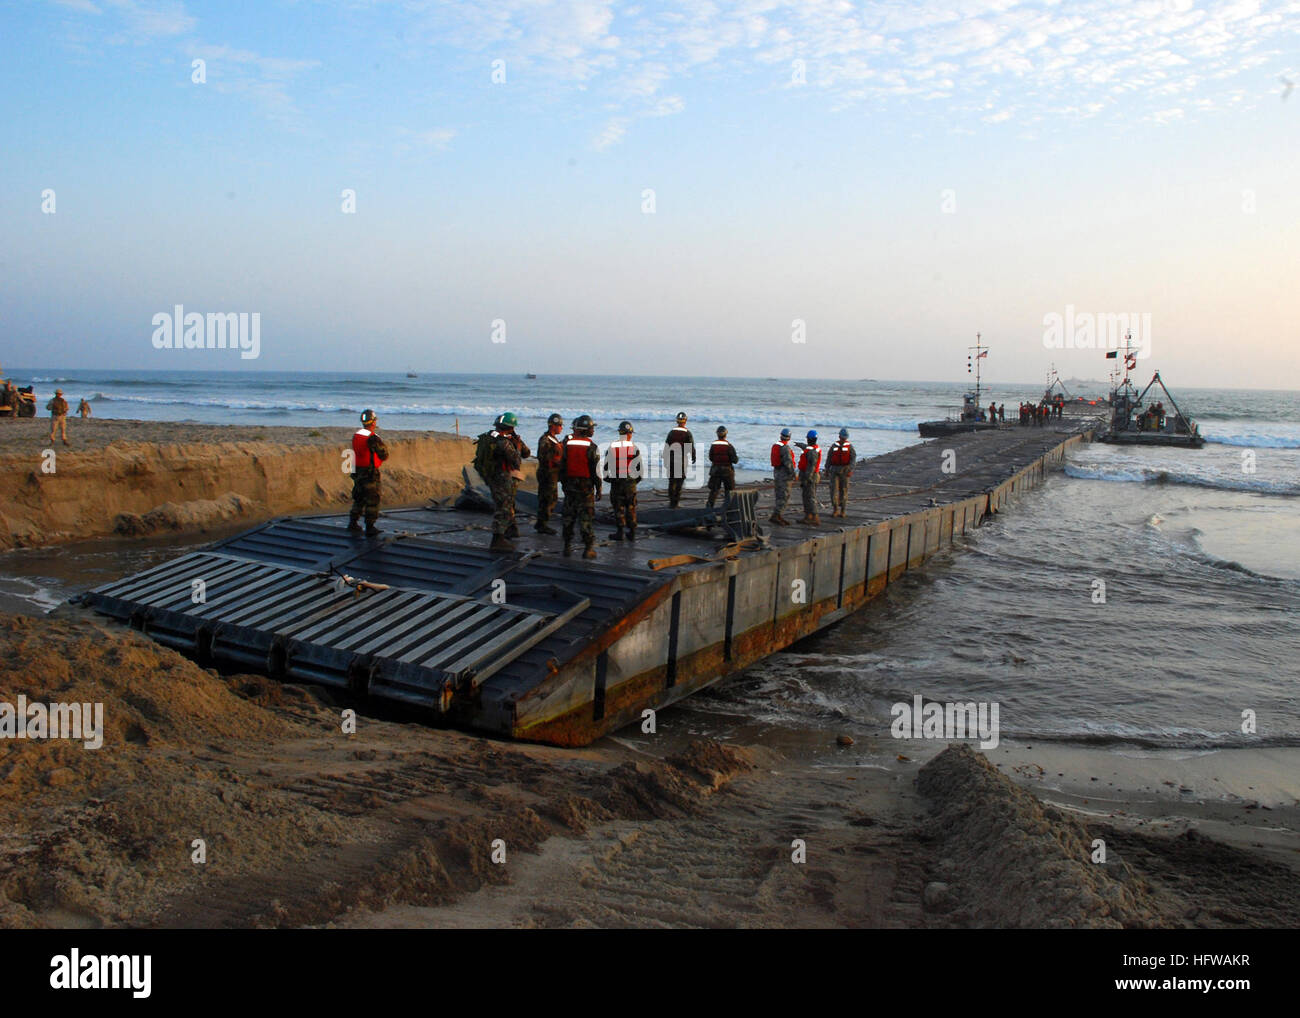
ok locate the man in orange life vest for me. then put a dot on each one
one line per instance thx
(368, 451)
(840, 460)
(548, 472)
(810, 465)
(722, 468)
(679, 438)
(580, 477)
(622, 468)
(783, 474)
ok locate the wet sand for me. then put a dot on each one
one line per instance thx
(397, 824)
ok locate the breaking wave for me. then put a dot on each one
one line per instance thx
(1144, 476)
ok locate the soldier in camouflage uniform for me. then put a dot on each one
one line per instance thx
(622, 468)
(508, 455)
(580, 477)
(548, 472)
(783, 474)
(840, 461)
(368, 452)
(58, 408)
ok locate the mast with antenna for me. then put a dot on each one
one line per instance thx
(980, 350)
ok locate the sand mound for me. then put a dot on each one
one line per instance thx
(90, 835)
(301, 822)
(1007, 860)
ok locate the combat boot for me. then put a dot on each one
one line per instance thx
(354, 524)
(816, 520)
(589, 552)
(568, 549)
(512, 530)
(500, 543)
(631, 533)
(542, 528)
(617, 535)
(372, 530)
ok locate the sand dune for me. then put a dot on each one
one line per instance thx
(141, 477)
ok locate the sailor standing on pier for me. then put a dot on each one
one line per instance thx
(722, 467)
(580, 478)
(368, 451)
(783, 474)
(622, 468)
(505, 455)
(840, 460)
(679, 438)
(548, 472)
(810, 465)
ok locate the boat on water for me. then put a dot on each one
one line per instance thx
(973, 415)
(411, 374)
(530, 375)
(1137, 420)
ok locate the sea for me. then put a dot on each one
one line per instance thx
(1140, 598)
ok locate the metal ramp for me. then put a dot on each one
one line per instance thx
(413, 646)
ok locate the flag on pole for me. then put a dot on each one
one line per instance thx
(1112, 354)
(1131, 361)
(984, 354)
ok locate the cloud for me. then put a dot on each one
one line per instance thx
(262, 80)
(638, 60)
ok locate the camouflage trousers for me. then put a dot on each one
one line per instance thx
(503, 488)
(781, 493)
(840, 488)
(622, 498)
(808, 485)
(580, 508)
(547, 495)
(723, 477)
(675, 485)
(365, 495)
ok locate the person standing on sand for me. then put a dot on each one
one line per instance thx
(58, 408)
(368, 452)
(83, 409)
(1002, 413)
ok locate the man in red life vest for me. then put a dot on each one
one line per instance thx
(622, 468)
(548, 472)
(506, 460)
(722, 467)
(993, 413)
(810, 465)
(840, 461)
(675, 446)
(580, 477)
(783, 474)
(368, 452)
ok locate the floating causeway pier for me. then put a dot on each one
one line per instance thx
(536, 646)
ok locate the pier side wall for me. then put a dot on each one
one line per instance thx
(717, 619)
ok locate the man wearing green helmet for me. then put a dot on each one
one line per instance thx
(505, 460)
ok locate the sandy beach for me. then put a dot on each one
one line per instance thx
(400, 823)
(142, 477)
(397, 824)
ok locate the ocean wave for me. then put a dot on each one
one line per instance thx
(1254, 441)
(739, 417)
(1143, 476)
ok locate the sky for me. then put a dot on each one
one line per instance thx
(763, 188)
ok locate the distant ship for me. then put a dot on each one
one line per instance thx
(411, 374)
(972, 414)
(530, 375)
